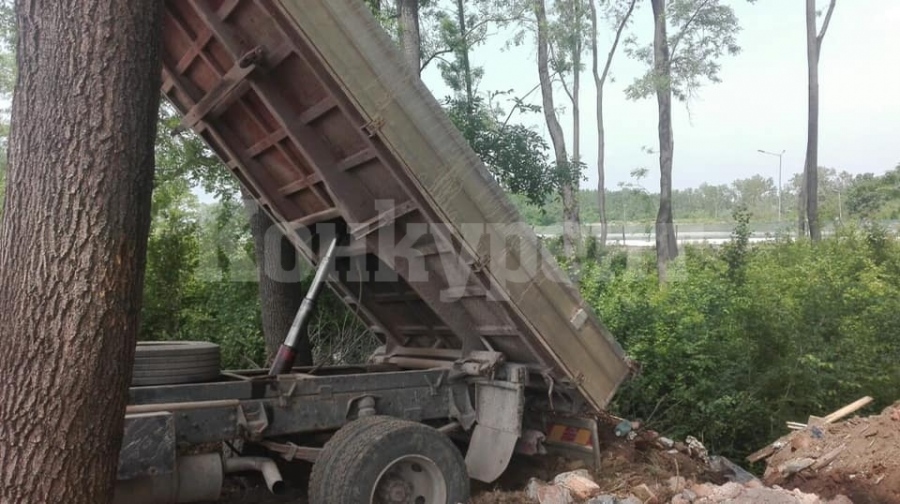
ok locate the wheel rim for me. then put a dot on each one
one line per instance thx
(411, 479)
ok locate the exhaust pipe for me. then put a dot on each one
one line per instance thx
(265, 466)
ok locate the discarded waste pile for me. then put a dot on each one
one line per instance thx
(858, 457)
(638, 466)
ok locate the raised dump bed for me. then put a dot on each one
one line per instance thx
(311, 107)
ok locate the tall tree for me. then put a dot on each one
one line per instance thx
(813, 51)
(704, 30)
(410, 36)
(280, 287)
(599, 83)
(515, 155)
(71, 254)
(568, 178)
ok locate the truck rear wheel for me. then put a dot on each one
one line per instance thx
(383, 460)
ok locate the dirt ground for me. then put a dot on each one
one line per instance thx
(625, 464)
(859, 458)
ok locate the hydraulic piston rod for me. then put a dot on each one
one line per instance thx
(284, 359)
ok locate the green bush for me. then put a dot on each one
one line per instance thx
(745, 337)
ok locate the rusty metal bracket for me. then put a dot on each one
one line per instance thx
(373, 127)
(465, 416)
(364, 404)
(254, 56)
(290, 451)
(253, 422)
(228, 89)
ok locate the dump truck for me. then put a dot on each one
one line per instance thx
(487, 347)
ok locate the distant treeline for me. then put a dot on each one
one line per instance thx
(842, 197)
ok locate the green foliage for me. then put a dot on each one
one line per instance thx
(743, 338)
(875, 197)
(514, 154)
(7, 49)
(700, 33)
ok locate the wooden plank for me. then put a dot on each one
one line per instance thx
(381, 220)
(219, 29)
(300, 184)
(356, 159)
(227, 8)
(266, 143)
(311, 219)
(318, 110)
(229, 88)
(848, 409)
(199, 45)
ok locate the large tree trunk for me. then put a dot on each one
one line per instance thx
(599, 82)
(280, 287)
(568, 193)
(666, 245)
(73, 242)
(410, 39)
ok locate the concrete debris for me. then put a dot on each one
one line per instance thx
(645, 494)
(751, 493)
(696, 449)
(677, 483)
(542, 493)
(665, 443)
(731, 470)
(579, 483)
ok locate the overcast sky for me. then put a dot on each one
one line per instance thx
(761, 102)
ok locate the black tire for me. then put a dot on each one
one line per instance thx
(172, 362)
(324, 466)
(353, 461)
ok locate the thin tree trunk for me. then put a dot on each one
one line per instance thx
(464, 57)
(599, 82)
(666, 244)
(576, 86)
(410, 39)
(812, 136)
(801, 206)
(813, 50)
(73, 242)
(280, 288)
(574, 209)
(571, 231)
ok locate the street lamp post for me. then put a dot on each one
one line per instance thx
(779, 176)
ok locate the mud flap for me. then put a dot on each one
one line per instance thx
(573, 437)
(499, 405)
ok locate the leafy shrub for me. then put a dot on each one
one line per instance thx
(746, 337)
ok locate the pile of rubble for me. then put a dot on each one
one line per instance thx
(638, 466)
(858, 457)
(577, 487)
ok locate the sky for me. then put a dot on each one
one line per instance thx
(761, 102)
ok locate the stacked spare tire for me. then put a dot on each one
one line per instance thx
(174, 362)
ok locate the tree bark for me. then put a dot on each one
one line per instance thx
(464, 57)
(280, 287)
(813, 49)
(73, 242)
(410, 38)
(576, 85)
(568, 193)
(599, 82)
(801, 205)
(666, 245)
